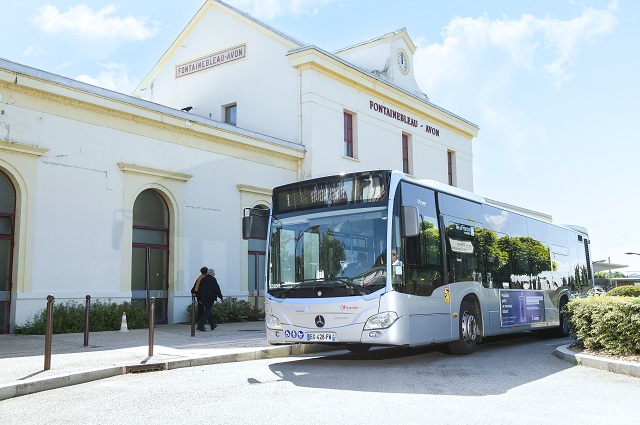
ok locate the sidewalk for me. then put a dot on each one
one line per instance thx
(116, 353)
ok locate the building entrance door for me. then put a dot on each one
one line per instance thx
(7, 219)
(256, 275)
(150, 253)
(149, 278)
(5, 282)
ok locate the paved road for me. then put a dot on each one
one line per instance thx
(514, 380)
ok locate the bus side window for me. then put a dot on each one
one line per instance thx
(465, 237)
(421, 255)
(466, 252)
(496, 222)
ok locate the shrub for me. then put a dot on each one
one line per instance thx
(233, 310)
(607, 324)
(104, 316)
(625, 291)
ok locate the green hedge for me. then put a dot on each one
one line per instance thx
(104, 316)
(625, 291)
(233, 310)
(607, 324)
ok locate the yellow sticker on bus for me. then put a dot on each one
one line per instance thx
(447, 298)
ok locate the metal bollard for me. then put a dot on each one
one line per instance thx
(87, 309)
(48, 333)
(152, 308)
(193, 314)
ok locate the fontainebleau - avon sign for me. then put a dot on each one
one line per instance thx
(210, 61)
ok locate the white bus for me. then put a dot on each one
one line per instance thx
(378, 258)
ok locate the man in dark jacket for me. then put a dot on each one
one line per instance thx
(208, 291)
(194, 291)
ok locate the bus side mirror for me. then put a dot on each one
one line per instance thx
(254, 225)
(410, 222)
(246, 227)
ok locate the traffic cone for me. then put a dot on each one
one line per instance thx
(123, 325)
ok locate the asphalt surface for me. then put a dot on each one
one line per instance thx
(22, 357)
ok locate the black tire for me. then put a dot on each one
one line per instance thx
(563, 330)
(358, 348)
(468, 325)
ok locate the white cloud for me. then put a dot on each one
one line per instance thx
(269, 9)
(113, 76)
(83, 21)
(547, 46)
(491, 71)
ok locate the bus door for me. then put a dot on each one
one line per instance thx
(426, 303)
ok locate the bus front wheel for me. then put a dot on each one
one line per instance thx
(467, 340)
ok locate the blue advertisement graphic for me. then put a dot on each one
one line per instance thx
(521, 307)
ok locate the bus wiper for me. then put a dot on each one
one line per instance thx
(314, 281)
(346, 282)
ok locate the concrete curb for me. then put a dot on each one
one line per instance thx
(609, 365)
(34, 385)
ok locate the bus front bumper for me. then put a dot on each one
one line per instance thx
(396, 334)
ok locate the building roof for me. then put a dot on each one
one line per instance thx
(400, 33)
(70, 83)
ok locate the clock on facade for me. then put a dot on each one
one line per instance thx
(403, 61)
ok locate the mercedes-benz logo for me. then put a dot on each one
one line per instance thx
(319, 321)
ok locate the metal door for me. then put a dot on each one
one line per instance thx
(149, 278)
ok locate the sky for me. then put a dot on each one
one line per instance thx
(552, 84)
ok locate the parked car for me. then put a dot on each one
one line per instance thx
(596, 291)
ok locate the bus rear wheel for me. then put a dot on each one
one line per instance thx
(468, 338)
(563, 329)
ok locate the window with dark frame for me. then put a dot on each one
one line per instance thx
(348, 135)
(230, 114)
(450, 167)
(405, 154)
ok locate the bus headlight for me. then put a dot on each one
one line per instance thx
(381, 320)
(273, 323)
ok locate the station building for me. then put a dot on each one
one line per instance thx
(124, 197)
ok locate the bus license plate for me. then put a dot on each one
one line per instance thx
(321, 337)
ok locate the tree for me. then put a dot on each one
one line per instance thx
(605, 275)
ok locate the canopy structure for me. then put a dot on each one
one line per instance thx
(599, 266)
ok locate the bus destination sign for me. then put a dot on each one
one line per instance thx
(330, 192)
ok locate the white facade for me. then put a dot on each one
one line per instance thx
(78, 156)
(298, 92)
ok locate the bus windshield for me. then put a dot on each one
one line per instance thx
(332, 253)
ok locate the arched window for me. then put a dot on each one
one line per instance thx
(150, 253)
(7, 226)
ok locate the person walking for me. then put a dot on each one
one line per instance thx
(194, 291)
(218, 292)
(208, 292)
